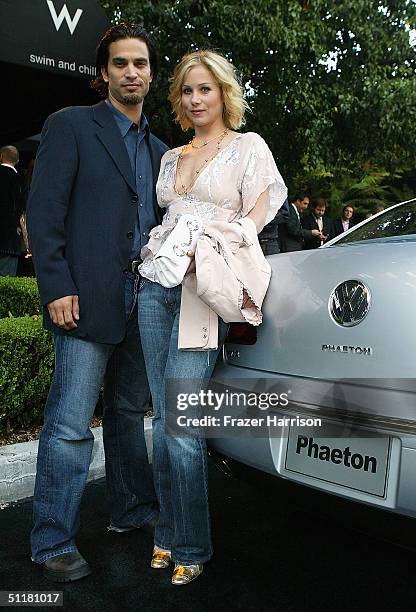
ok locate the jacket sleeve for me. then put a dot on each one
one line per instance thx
(306, 222)
(295, 229)
(49, 200)
(329, 228)
(335, 228)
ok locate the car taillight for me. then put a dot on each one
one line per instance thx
(242, 333)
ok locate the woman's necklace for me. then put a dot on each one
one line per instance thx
(184, 190)
(204, 144)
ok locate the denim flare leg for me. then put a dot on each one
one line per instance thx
(179, 463)
(66, 441)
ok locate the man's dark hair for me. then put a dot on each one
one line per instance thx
(377, 208)
(348, 206)
(118, 32)
(320, 202)
(301, 195)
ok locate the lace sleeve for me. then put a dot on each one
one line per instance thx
(260, 174)
(166, 179)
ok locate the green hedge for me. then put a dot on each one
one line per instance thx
(18, 297)
(26, 366)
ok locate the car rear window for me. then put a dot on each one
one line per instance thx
(397, 221)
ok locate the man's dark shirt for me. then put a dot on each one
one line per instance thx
(136, 143)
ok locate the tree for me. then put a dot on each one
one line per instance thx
(331, 85)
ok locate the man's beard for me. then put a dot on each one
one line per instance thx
(131, 100)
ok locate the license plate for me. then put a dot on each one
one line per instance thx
(359, 461)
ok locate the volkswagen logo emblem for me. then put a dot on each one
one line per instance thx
(349, 303)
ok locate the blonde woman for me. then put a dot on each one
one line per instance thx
(220, 175)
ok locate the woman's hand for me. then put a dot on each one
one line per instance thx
(192, 266)
(247, 302)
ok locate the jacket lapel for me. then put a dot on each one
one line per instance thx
(109, 134)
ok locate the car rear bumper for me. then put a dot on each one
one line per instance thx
(383, 449)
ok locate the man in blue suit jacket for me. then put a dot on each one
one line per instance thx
(92, 204)
(292, 235)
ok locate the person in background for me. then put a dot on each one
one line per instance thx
(291, 233)
(317, 220)
(12, 207)
(344, 222)
(375, 210)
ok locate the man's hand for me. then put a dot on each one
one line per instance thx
(317, 233)
(65, 311)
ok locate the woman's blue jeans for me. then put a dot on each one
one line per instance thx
(66, 441)
(179, 463)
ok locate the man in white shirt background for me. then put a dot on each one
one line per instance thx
(292, 235)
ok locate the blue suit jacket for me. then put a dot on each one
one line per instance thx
(292, 235)
(81, 215)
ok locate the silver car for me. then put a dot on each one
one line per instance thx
(339, 340)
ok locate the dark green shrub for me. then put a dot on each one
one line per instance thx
(26, 366)
(18, 297)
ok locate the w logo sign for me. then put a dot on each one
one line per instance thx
(64, 15)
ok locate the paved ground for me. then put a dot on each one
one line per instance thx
(288, 549)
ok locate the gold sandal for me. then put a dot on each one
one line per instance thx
(185, 573)
(160, 558)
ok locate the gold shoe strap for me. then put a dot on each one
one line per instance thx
(161, 556)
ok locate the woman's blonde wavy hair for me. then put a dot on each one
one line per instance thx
(224, 73)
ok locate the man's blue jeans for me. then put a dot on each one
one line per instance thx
(179, 463)
(66, 441)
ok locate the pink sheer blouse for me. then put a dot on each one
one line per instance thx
(226, 190)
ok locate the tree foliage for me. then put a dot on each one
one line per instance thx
(331, 84)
